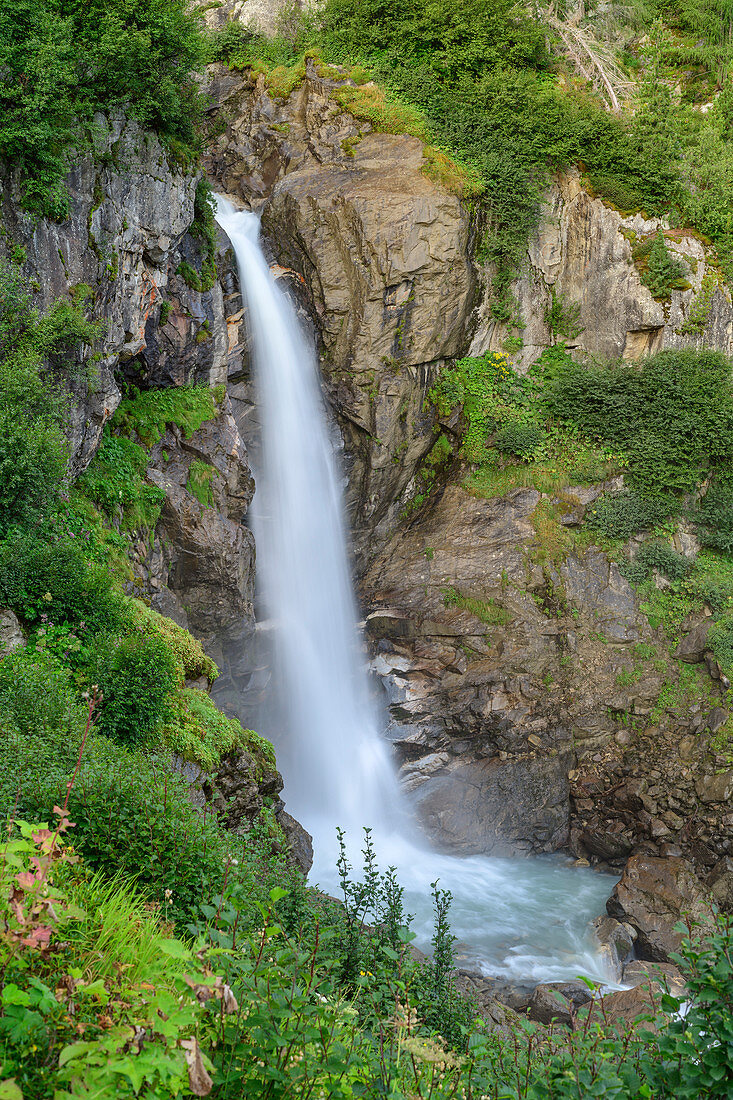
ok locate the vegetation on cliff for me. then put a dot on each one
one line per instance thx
(64, 60)
(508, 99)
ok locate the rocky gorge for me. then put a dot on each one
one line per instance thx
(532, 707)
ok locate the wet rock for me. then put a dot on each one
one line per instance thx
(616, 943)
(666, 975)
(11, 633)
(300, 842)
(496, 1005)
(501, 807)
(652, 896)
(558, 1001)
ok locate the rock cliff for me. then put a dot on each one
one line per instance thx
(128, 230)
(383, 258)
(583, 251)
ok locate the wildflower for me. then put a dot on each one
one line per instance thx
(168, 894)
(47, 597)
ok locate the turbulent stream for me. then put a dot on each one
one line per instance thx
(520, 919)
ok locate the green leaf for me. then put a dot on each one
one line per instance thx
(14, 996)
(74, 1050)
(175, 949)
(9, 1090)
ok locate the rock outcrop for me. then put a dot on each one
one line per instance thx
(382, 257)
(127, 232)
(653, 896)
(582, 250)
(198, 568)
(505, 655)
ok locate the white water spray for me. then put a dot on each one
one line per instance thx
(516, 918)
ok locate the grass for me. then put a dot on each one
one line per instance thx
(118, 930)
(553, 541)
(147, 414)
(198, 483)
(488, 611)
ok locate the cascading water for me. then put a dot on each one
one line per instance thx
(517, 918)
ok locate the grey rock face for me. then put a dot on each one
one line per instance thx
(582, 250)
(126, 233)
(499, 671)
(199, 568)
(11, 634)
(381, 253)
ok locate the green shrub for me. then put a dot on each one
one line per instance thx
(64, 60)
(188, 655)
(659, 556)
(53, 581)
(720, 640)
(660, 270)
(37, 696)
(714, 519)
(519, 439)
(672, 415)
(198, 482)
(137, 676)
(199, 732)
(621, 515)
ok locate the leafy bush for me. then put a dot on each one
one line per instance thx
(54, 581)
(37, 696)
(199, 732)
(64, 60)
(672, 415)
(191, 662)
(659, 556)
(714, 518)
(137, 676)
(621, 515)
(660, 270)
(519, 439)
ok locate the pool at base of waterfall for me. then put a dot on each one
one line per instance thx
(525, 920)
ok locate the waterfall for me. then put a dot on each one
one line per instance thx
(518, 918)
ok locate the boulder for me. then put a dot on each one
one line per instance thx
(666, 975)
(558, 1001)
(616, 942)
(300, 842)
(715, 788)
(693, 646)
(627, 1007)
(652, 896)
(11, 634)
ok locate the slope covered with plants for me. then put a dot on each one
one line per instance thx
(144, 949)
